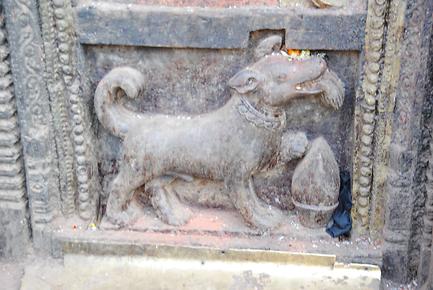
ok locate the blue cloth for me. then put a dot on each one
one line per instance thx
(341, 221)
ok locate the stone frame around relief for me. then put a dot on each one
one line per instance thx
(149, 19)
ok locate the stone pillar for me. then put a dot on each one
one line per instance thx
(14, 228)
(34, 115)
(404, 207)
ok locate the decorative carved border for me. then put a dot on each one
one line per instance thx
(385, 108)
(11, 168)
(33, 108)
(65, 31)
(56, 90)
(363, 170)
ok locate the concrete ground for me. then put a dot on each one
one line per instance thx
(11, 273)
(133, 272)
(139, 272)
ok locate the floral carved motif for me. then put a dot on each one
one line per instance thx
(373, 56)
(56, 90)
(66, 54)
(33, 106)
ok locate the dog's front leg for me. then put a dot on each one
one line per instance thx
(254, 210)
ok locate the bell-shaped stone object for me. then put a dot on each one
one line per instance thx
(316, 184)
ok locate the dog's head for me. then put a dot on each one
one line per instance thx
(276, 79)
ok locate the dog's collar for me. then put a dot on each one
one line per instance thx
(271, 119)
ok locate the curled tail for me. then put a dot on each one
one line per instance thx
(117, 83)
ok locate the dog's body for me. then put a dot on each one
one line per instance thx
(230, 144)
(207, 146)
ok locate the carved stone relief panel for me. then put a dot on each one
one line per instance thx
(198, 84)
(229, 145)
(193, 73)
(188, 75)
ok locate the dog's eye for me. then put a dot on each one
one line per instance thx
(251, 81)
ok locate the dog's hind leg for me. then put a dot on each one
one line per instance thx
(254, 210)
(166, 203)
(121, 191)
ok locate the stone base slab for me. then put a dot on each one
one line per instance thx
(211, 228)
(200, 269)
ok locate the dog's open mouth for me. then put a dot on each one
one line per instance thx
(328, 86)
(311, 87)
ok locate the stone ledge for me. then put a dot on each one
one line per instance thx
(100, 23)
(210, 228)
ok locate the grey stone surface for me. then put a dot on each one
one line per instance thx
(137, 25)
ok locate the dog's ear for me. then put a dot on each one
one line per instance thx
(268, 45)
(244, 81)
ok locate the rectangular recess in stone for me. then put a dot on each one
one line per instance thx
(138, 25)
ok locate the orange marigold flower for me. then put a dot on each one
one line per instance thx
(294, 52)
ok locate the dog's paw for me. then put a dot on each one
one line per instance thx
(120, 219)
(174, 219)
(294, 145)
(175, 216)
(265, 217)
(169, 208)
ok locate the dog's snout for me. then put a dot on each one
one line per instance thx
(319, 64)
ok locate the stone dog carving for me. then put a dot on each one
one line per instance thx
(230, 144)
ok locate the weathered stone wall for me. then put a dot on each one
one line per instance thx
(421, 250)
(54, 148)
